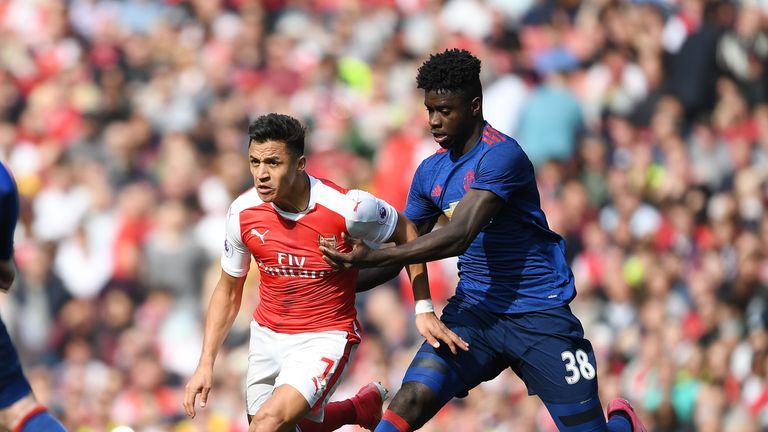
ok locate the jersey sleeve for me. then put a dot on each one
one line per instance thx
(235, 258)
(503, 170)
(9, 213)
(419, 207)
(370, 219)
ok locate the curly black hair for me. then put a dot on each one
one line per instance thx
(453, 70)
(278, 127)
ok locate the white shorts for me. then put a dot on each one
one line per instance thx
(312, 363)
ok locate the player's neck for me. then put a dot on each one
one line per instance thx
(298, 200)
(471, 141)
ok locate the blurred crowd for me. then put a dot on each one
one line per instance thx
(124, 123)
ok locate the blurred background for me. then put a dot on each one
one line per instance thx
(124, 122)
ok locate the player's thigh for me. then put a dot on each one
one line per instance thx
(314, 364)
(557, 363)
(263, 367)
(451, 375)
(549, 352)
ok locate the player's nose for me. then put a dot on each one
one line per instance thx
(434, 121)
(262, 173)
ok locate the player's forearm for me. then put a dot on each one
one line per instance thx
(413, 249)
(475, 210)
(376, 274)
(417, 272)
(443, 243)
(419, 281)
(370, 278)
(222, 311)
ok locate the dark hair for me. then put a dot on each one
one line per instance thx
(278, 127)
(453, 70)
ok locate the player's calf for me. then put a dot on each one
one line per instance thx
(578, 416)
(413, 405)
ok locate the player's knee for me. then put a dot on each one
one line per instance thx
(267, 420)
(415, 403)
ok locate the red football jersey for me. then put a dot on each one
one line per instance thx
(299, 291)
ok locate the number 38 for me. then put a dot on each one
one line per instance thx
(577, 366)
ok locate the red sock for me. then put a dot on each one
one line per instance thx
(337, 414)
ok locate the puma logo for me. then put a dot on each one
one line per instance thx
(357, 204)
(259, 235)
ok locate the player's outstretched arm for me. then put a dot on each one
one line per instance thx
(475, 210)
(427, 322)
(370, 278)
(222, 311)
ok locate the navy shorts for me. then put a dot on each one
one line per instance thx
(13, 384)
(546, 349)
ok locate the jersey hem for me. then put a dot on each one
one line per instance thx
(464, 303)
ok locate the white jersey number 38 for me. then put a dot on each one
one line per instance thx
(577, 366)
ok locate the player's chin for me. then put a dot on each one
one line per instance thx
(444, 142)
(266, 196)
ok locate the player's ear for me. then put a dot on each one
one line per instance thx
(476, 105)
(301, 164)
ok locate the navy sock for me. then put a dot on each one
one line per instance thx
(619, 422)
(41, 422)
(392, 422)
(385, 426)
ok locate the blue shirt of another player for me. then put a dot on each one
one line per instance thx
(9, 212)
(13, 385)
(516, 263)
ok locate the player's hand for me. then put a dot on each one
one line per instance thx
(433, 330)
(358, 257)
(199, 383)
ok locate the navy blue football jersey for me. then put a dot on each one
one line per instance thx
(516, 263)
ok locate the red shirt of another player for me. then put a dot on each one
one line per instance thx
(299, 291)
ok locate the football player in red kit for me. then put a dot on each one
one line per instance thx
(304, 330)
